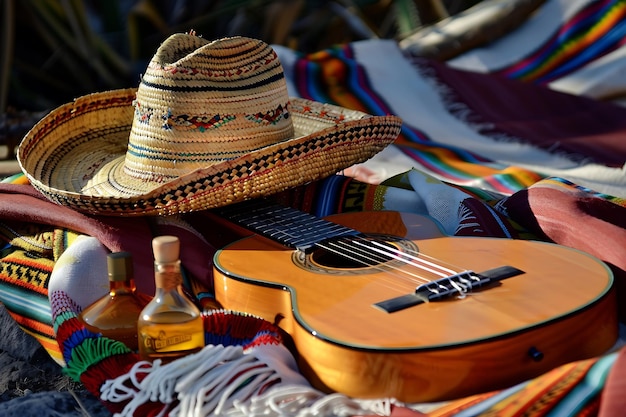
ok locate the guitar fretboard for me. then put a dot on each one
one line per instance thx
(288, 226)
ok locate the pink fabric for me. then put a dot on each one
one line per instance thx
(584, 222)
(613, 403)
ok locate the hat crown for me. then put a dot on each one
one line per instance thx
(200, 103)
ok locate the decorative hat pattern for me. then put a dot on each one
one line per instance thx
(210, 124)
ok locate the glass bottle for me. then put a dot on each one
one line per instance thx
(171, 325)
(115, 315)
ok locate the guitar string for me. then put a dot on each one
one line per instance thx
(371, 260)
(281, 216)
(370, 255)
(431, 266)
(415, 261)
(388, 280)
(461, 285)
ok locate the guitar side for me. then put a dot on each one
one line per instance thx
(562, 308)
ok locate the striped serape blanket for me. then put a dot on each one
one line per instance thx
(69, 263)
(482, 153)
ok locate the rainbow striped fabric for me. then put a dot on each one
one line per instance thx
(574, 46)
(466, 128)
(596, 29)
(519, 160)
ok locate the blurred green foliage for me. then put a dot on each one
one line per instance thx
(55, 50)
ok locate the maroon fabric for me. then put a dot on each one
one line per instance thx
(22, 203)
(480, 220)
(196, 253)
(25, 204)
(578, 126)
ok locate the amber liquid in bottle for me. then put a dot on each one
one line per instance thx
(170, 326)
(115, 315)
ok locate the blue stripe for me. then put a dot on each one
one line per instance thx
(27, 304)
(312, 73)
(326, 201)
(491, 401)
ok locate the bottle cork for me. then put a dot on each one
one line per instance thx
(166, 249)
(119, 266)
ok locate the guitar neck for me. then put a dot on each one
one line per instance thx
(285, 225)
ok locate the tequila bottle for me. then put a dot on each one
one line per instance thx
(171, 325)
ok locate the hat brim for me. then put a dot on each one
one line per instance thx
(74, 156)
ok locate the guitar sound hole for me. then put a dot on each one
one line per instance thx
(353, 256)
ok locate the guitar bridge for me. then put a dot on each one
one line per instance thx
(447, 287)
(461, 284)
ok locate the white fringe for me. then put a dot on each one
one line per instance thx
(304, 401)
(465, 217)
(225, 381)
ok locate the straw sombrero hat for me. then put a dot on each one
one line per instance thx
(210, 124)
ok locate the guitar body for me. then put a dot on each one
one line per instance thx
(560, 309)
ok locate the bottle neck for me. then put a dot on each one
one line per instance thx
(126, 286)
(167, 276)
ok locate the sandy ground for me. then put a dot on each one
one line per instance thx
(32, 384)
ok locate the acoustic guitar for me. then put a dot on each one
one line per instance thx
(383, 304)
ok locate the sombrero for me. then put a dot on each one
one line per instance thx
(210, 124)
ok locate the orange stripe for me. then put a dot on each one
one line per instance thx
(334, 74)
(456, 406)
(538, 397)
(34, 325)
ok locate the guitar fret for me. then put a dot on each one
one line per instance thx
(286, 225)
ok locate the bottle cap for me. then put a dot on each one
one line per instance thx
(166, 249)
(120, 266)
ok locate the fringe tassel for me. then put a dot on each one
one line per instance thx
(206, 382)
(108, 368)
(223, 381)
(71, 335)
(89, 352)
(466, 219)
(305, 401)
(60, 318)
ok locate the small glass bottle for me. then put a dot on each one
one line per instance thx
(171, 325)
(115, 315)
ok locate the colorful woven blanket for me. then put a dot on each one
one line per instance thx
(72, 276)
(481, 153)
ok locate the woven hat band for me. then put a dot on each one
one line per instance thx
(220, 101)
